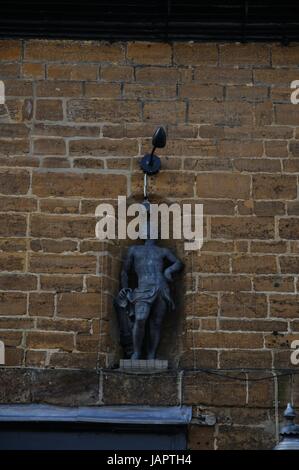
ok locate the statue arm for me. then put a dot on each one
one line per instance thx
(176, 265)
(124, 279)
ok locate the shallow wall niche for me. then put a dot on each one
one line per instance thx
(170, 347)
(172, 336)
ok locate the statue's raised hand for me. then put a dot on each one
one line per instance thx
(123, 293)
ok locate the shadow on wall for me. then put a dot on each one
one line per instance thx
(171, 346)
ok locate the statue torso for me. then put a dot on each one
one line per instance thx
(149, 265)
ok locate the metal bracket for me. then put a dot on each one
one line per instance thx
(150, 164)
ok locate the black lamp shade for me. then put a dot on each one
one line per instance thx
(159, 138)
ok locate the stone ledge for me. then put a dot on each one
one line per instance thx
(149, 389)
(58, 387)
(152, 387)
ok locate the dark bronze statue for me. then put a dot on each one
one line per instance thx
(141, 309)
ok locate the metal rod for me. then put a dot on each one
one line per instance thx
(151, 157)
(145, 186)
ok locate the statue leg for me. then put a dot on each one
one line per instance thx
(142, 310)
(155, 322)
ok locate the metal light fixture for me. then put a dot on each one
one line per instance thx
(289, 432)
(151, 163)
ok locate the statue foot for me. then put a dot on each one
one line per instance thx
(151, 356)
(135, 355)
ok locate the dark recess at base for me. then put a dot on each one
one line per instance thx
(152, 20)
(78, 436)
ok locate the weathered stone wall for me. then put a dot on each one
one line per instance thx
(77, 117)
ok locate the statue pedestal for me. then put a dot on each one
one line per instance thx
(143, 364)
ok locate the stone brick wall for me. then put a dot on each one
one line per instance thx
(77, 117)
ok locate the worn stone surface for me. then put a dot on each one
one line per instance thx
(245, 438)
(157, 389)
(206, 389)
(65, 387)
(57, 387)
(15, 385)
(200, 437)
